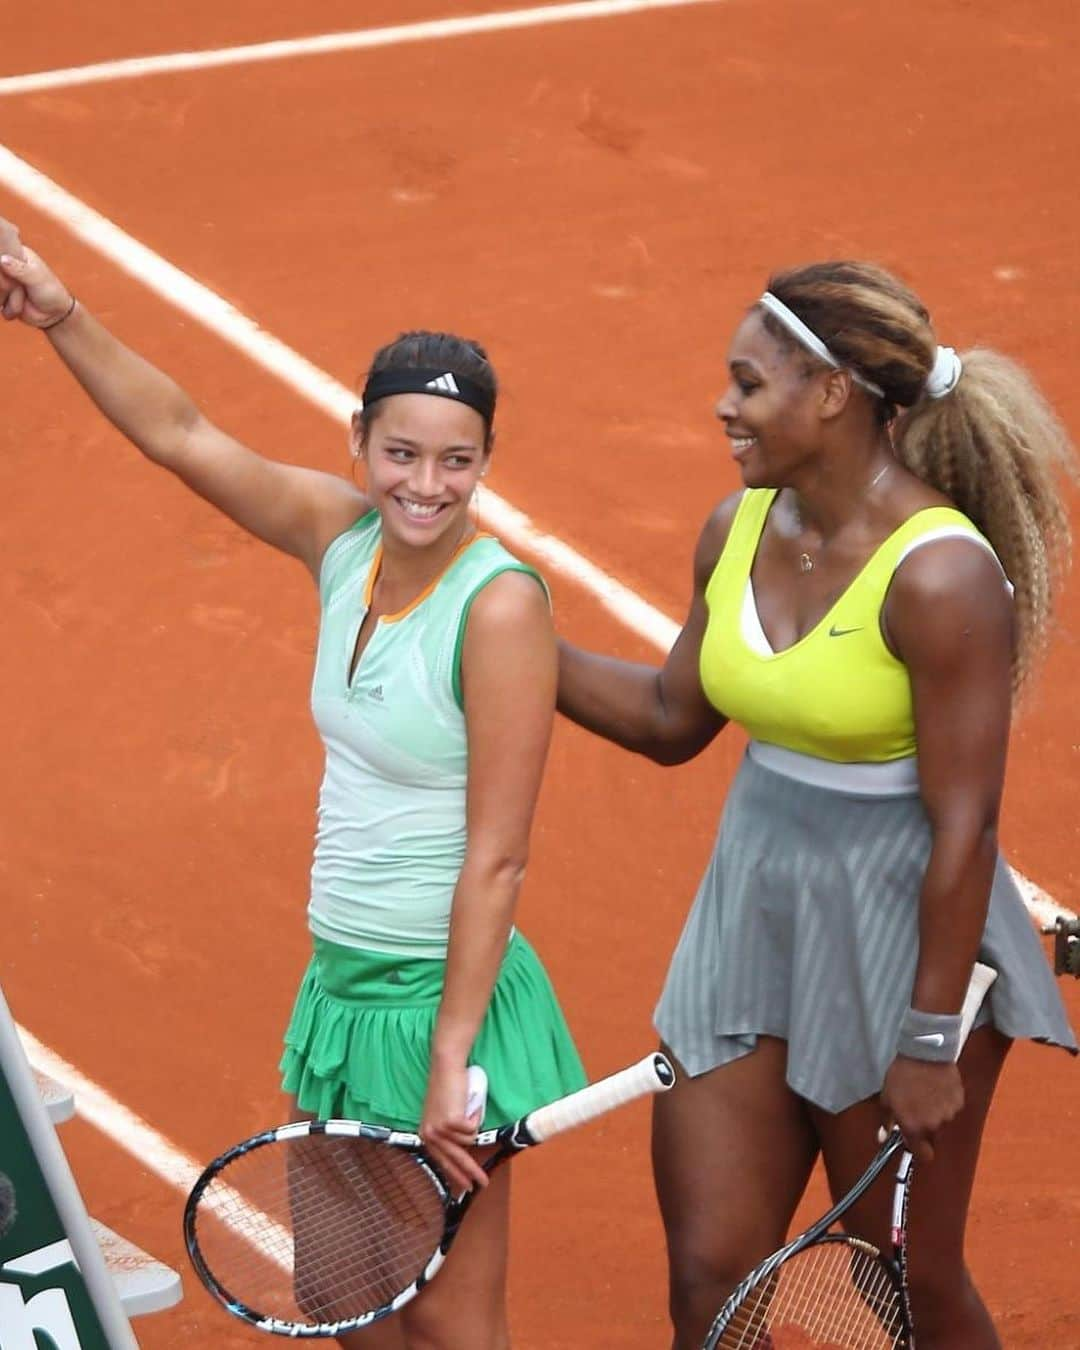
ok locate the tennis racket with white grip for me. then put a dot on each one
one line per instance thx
(318, 1228)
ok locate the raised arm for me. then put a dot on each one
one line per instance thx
(949, 618)
(295, 509)
(660, 712)
(508, 674)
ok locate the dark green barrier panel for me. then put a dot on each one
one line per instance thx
(50, 1299)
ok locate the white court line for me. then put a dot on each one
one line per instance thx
(1042, 907)
(356, 40)
(319, 388)
(149, 1148)
(335, 399)
(130, 1131)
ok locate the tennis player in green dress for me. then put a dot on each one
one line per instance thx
(434, 693)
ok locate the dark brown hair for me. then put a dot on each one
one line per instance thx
(420, 349)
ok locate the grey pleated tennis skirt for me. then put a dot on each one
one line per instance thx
(805, 927)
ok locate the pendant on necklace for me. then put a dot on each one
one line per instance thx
(806, 563)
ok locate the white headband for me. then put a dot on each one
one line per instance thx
(942, 379)
(947, 370)
(811, 341)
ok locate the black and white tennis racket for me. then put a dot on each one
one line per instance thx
(828, 1290)
(318, 1228)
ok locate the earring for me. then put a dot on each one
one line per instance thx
(355, 458)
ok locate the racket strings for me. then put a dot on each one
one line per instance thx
(320, 1229)
(836, 1295)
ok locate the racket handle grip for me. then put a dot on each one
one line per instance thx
(982, 977)
(652, 1074)
(476, 1091)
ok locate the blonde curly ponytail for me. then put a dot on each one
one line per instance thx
(994, 446)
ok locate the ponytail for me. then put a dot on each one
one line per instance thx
(994, 447)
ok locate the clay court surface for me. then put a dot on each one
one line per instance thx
(597, 201)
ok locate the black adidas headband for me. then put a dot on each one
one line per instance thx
(422, 380)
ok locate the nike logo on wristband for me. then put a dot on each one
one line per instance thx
(931, 1038)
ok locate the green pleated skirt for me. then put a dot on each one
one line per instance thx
(357, 1046)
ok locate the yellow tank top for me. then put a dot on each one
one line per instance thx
(838, 693)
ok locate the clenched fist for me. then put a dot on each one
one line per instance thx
(28, 289)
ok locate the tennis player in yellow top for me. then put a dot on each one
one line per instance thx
(866, 609)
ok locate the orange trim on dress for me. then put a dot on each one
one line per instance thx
(376, 564)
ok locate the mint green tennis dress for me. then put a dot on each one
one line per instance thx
(389, 846)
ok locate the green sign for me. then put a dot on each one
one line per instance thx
(45, 1301)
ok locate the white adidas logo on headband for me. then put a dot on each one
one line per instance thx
(445, 384)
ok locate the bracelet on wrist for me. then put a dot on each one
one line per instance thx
(930, 1036)
(66, 315)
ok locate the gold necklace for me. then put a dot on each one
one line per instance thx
(806, 561)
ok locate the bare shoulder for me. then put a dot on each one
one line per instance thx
(947, 593)
(337, 505)
(339, 502)
(954, 568)
(512, 602)
(508, 658)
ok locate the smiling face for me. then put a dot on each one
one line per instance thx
(424, 457)
(772, 407)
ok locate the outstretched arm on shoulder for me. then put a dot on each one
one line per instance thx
(295, 509)
(660, 712)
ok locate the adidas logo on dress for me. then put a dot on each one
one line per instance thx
(376, 693)
(445, 384)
